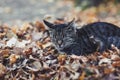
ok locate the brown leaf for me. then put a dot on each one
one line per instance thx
(13, 58)
(116, 64)
(40, 26)
(61, 59)
(5, 52)
(2, 35)
(27, 51)
(14, 29)
(2, 70)
(82, 77)
(39, 44)
(108, 70)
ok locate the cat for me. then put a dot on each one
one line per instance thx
(97, 36)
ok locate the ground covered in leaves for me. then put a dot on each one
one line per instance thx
(26, 52)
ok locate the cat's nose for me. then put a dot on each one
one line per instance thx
(59, 42)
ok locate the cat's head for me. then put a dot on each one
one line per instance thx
(62, 35)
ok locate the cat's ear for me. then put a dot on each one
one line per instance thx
(71, 23)
(48, 24)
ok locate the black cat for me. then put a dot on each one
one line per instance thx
(93, 37)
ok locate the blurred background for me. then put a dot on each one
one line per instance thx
(85, 11)
(16, 11)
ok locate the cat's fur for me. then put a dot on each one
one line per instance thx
(93, 37)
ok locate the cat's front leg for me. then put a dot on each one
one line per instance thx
(99, 43)
(76, 51)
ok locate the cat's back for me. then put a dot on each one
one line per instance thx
(100, 28)
(102, 25)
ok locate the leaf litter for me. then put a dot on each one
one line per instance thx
(35, 58)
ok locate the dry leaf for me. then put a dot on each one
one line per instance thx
(2, 70)
(13, 58)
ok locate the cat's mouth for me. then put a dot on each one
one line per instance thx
(60, 48)
(63, 47)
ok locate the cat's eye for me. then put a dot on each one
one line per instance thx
(70, 29)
